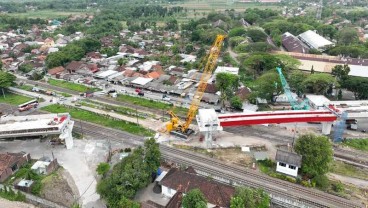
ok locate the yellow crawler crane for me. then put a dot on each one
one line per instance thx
(179, 128)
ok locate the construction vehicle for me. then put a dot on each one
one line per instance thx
(295, 105)
(181, 128)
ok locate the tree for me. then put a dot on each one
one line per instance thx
(341, 72)
(296, 77)
(194, 199)
(253, 47)
(358, 85)
(124, 202)
(6, 80)
(152, 156)
(267, 86)
(256, 35)
(236, 102)
(226, 83)
(251, 198)
(258, 63)
(319, 83)
(172, 24)
(237, 202)
(189, 48)
(103, 168)
(25, 68)
(122, 61)
(327, 30)
(347, 36)
(316, 152)
(1, 65)
(237, 31)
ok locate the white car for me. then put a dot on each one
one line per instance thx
(166, 98)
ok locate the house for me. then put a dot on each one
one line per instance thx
(56, 70)
(11, 162)
(45, 166)
(24, 185)
(226, 69)
(288, 162)
(293, 44)
(244, 23)
(73, 66)
(176, 181)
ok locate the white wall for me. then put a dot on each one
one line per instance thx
(286, 170)
(168, 191)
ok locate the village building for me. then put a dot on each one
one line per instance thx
(288, 162)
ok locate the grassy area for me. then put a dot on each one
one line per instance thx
(14, 99)
(71, 86)
(9, 194)
(151, 104)
(344, 169)
(25, 87)
(359, 144)
(99, 119)
(65, 94)
(45, 14)
(117, 109)
(25, 172)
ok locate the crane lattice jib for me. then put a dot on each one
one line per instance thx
(294, 103)
(207, 72)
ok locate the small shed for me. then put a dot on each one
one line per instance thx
(288, 162)
(24, 185)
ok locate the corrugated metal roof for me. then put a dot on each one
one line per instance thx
(290, 158)
(314, 40)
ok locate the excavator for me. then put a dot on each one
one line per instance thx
(181, 128)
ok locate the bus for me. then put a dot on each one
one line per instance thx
(28, 105)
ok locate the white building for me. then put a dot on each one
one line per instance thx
(313, 40)
(318, 101)
(231, 70)
(288, 162)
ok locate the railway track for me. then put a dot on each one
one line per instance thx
(101, 99)
(216, 168)
(359, 158)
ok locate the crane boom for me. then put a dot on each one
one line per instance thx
(207, 72)
(294, 103)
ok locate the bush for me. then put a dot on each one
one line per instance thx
(338, 187)
(321, 182)
(36, 188)
(291, 179)
(306, 184)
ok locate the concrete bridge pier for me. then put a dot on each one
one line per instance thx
(326, 128)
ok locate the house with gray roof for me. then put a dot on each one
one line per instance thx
(288, 162)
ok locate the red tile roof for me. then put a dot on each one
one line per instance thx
(183, 181)
(153, 75)
(56, 70)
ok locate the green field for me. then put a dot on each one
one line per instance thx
(46, 14)
(71, 86)
(359, 144)
(151, 104)
(99, 119)
(13, 99)
(25, 87)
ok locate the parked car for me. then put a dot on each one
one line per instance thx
(166, 98)
(141, 93)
